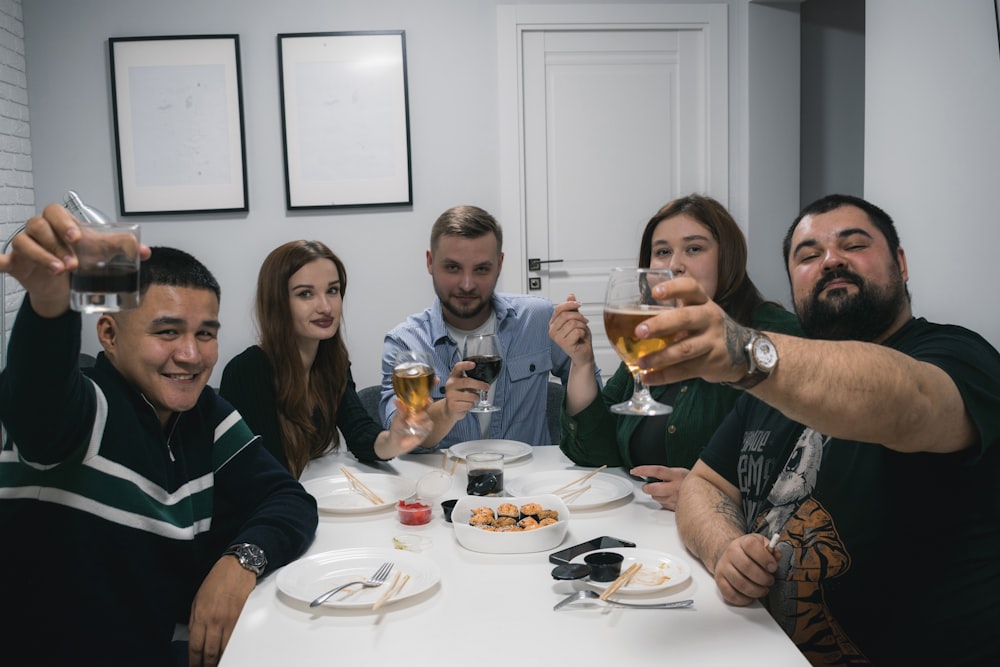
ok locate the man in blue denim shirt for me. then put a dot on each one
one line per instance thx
(464, 262)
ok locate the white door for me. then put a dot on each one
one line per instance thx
(616, 116)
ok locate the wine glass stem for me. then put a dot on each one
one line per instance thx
(483, 401)
(639, 390)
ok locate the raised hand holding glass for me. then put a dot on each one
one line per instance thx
(413, 380)
(630, 301)
(484, 351)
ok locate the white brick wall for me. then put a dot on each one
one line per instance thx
(17, 194)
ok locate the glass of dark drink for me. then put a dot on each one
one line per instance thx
(412, 381)
(484, 351)
(485, 473)
(107, 277)
(628, 302)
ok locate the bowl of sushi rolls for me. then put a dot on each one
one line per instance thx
(510, 525)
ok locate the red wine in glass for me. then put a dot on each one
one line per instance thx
(484, 351)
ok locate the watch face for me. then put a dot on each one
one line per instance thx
(765, 354)
(251, 557)
(254, 556)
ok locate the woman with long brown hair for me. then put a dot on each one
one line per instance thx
(295, 388)
(695, 236)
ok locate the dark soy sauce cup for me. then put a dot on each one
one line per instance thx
(448, 506)
(604, 565)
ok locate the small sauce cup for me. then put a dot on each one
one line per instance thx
(604, 565)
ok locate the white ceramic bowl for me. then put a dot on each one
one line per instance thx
(539, 539)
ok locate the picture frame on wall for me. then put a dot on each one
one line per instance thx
(345, 119)
(178, 123)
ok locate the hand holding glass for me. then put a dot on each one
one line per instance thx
(107, 277)
(484, 351)
(630, 301)
(413, 380)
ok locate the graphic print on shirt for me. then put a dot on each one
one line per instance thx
(810, 552)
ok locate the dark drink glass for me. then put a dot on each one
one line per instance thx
(484, 351)
(485, 473)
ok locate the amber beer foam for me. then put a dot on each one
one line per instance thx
(620, 324)
(412, 383)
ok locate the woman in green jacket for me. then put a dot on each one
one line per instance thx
(694, 236)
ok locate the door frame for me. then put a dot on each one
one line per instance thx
(514, 20)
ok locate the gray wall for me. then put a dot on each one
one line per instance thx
(453, 96)
(930, 135)
(833, 98)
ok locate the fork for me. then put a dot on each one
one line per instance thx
(591, 595)
(377, 579)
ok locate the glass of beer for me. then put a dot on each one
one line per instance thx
(413, 380)
(629, 301)
(484, 350)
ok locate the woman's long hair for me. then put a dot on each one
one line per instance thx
(735, 292)
(307, 413)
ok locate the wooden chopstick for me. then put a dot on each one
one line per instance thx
(454, 464)
(574, 494)
(394, 588)
(622, 580)
(360, 487)
(580, 480)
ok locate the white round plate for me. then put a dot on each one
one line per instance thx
(512, 450)
(335, 495)
(307, 578)
(659, 570)
(604, 488)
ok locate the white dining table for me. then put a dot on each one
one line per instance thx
(497, 609)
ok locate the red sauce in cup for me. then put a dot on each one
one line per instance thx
(413, 514)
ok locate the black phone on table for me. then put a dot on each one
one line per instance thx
(596, 544)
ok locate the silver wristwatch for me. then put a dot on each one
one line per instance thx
(250, 556)
(762, 359)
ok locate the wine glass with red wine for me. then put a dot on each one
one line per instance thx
(484, 350)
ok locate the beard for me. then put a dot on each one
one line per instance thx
(863, 316)
(465, 313)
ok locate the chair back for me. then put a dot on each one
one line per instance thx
(370, 397)
(553, 406)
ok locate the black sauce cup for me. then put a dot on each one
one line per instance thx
(447, 506)
(604, 565)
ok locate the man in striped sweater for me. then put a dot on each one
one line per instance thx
(132, 498)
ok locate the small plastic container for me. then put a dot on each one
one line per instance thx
(604, 565)
(413, 514)
(447, 506)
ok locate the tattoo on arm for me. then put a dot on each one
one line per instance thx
(729, 512)
(736, 338)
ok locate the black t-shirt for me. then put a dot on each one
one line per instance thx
(885, 557)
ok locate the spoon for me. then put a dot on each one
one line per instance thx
(589, 595)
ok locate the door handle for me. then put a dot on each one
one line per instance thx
(535, 264)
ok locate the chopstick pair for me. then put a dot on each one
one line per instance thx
(360, 487)
(622, 580)
(573, 494)
(580, 480)
(394, 588)
(444, 463)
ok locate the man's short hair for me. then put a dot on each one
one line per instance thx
(469, 222)
(175, 268)
(877, 216)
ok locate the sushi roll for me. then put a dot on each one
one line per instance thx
(528, 523)
(531, 509)
(482, 519)
(508, 510)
